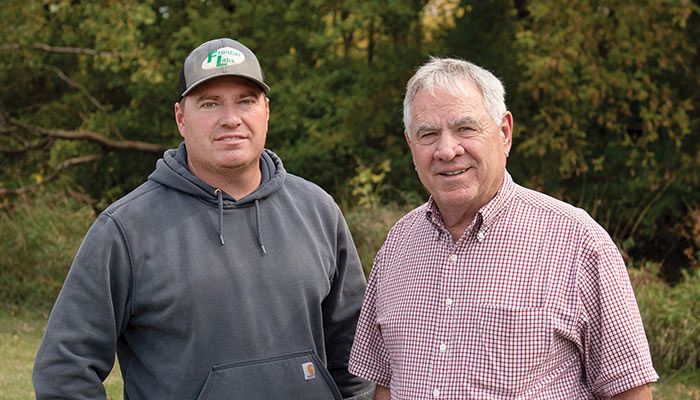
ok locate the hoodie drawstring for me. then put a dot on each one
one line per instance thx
(220, 197)
(257, 225)
(258, 231)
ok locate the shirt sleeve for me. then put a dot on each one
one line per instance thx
(369, 357)
(616, 352)
(79, 344)
(341, 309)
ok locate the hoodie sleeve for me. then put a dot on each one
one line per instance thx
(78, 348)
(341, 308)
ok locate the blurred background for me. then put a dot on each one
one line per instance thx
(604, 96)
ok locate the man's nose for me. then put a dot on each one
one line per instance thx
(230, 116)
(447, 147)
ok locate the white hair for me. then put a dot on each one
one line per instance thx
(452, 75)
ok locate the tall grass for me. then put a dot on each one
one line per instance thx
(369, 227)
(38, 239)
(20, 334)
(671, 316)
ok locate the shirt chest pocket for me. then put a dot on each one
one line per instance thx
(508, 348)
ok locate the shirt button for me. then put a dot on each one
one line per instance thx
(436, 393)
(453, 257)
(443, 347)
(448, 302)
(480, 236)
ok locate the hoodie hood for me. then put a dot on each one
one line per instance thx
(172, 171)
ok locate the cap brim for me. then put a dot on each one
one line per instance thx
(262, 85)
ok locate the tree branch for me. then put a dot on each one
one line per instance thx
(81, 197)
(95, 137)
(57, 49)
(76, 85)
(71, 162)
(85, 92)
(27, 147)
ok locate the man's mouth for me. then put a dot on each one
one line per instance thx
(452, 173)
(229, 138)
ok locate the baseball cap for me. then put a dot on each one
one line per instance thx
(219, 57)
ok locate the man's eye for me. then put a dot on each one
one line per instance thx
(247, 101)
(208, 104)
(427, 137)
(465, 130)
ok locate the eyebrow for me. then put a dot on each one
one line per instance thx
(460, 122)
(207, 97)
(249, 92)
(464, 121)
(241, 95)
(424, 128)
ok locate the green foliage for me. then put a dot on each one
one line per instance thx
(491, 22)
(603, 94)
(369, 227)
(606, 120)
(74, 66)
(38, 240)
(671, 317)
(368, 184)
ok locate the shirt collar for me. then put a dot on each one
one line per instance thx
(487, 215)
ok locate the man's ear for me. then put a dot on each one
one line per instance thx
(408, 138)
(507, 132)
(179, 117)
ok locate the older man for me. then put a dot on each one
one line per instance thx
(491, 290)
(222, 276)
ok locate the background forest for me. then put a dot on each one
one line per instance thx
(604, 95)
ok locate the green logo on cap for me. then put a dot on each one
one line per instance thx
(223, 57)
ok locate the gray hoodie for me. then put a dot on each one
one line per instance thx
(207, 297)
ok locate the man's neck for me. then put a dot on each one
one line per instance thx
(237, 183)
(457, 222)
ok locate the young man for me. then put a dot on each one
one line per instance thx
(491, 290)
(222, 276)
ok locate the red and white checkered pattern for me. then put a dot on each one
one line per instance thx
(532, 302)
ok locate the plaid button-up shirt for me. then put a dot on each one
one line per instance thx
(532, 302)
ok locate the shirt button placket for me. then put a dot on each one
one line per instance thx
(452, 262)
(444, 323)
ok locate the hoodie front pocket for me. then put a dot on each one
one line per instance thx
(290, 376)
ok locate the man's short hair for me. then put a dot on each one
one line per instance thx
(451, 74)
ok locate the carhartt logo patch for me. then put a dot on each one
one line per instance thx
(223, 57)
(309, 370)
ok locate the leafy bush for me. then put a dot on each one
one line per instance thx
(369, 226)
(671, 316)
(38, 239)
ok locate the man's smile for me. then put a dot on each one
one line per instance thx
(452, 173)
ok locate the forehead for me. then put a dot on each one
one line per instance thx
(440, 105)
(225, 85)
